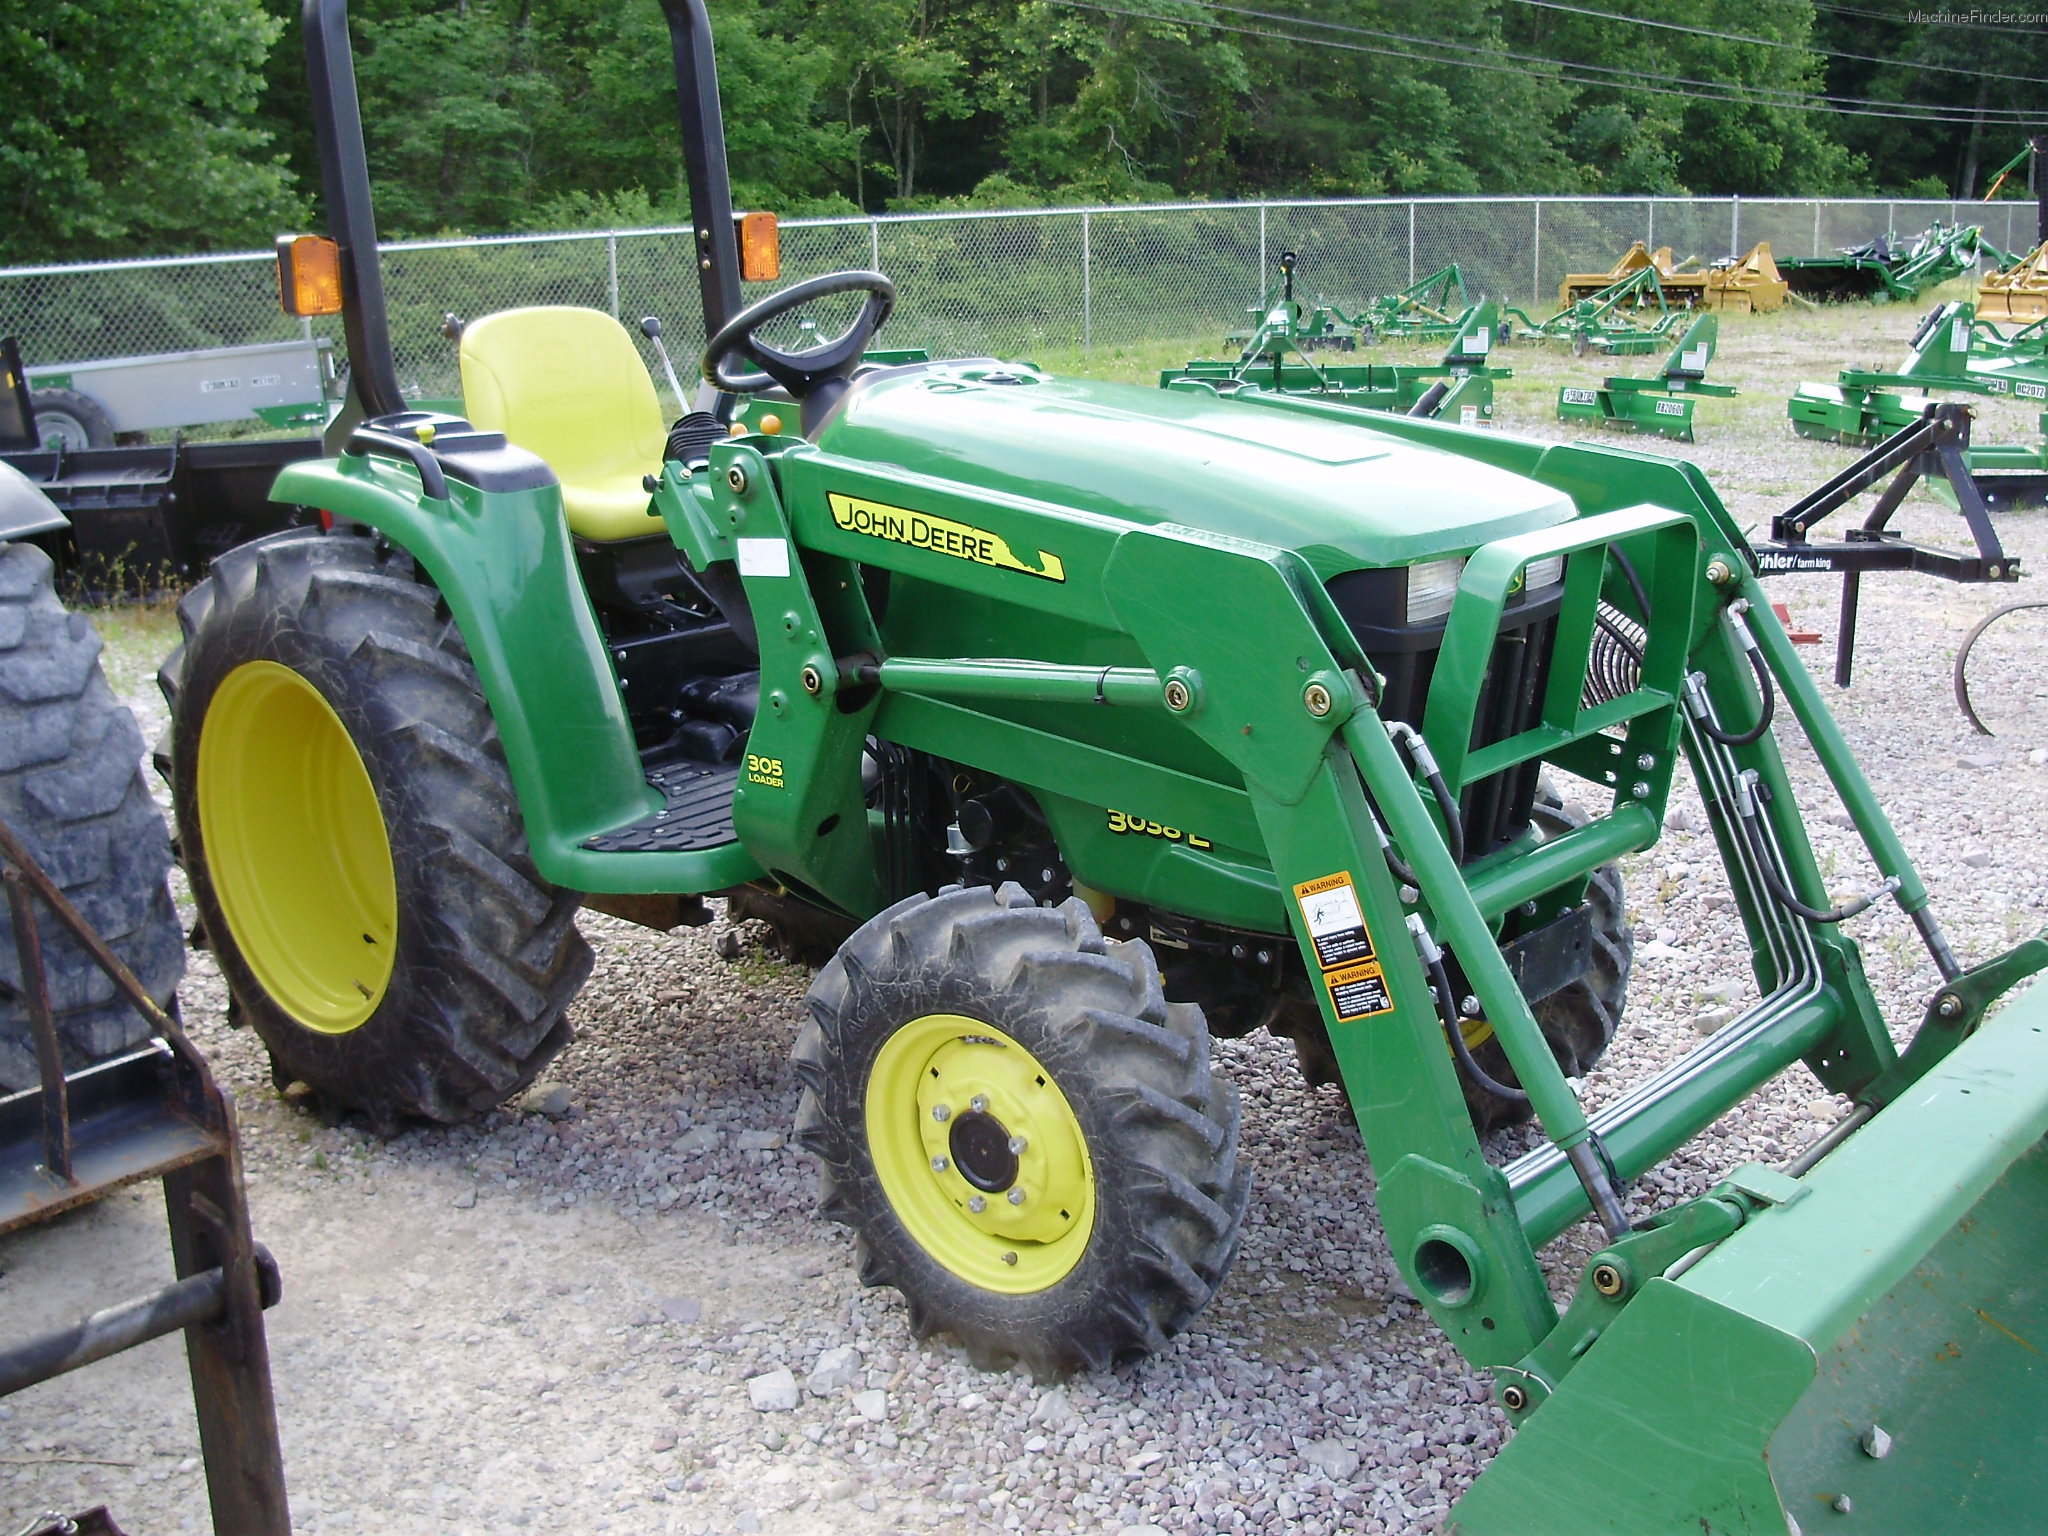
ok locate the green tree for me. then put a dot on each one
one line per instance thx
(131, 128)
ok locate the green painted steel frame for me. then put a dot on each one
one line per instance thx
(1280, 793)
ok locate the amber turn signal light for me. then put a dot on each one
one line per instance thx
(760, 248)
(308, 275)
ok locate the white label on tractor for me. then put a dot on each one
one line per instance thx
(1959, 336)
(1694, 361)
(1336, 925)
(1476, 342)
(215, 386)
(1670, 407)
(1575, 396)
(266, 381)
(764, 557)
(2028, 391)
(1468, 415)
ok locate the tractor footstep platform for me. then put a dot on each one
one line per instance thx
(696, 813)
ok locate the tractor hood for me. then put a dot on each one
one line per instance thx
(1343, 496)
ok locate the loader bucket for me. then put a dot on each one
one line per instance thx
(1869, 1355)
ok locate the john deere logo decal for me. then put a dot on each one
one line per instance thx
(921, 530)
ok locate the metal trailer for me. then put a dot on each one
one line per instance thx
(93, 404)
(141, 516)
(153, 1113)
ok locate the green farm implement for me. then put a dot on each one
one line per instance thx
(1952, 352)
(1282, 318)
(1628, 317)
(1437, 308)
(1076, 724)
(1882, 272)
(1664, 404)
(1458, 387)
(1434, 309)
(1681, 282)
(1933, 449)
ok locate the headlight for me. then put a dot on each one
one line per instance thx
(1432, 586)
(1547, 572)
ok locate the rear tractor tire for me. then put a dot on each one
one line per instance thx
(71, 787)
(353, 838)
(1024, 1135)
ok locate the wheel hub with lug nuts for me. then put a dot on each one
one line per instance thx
(998, 1184)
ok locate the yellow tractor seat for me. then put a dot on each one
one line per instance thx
(569, 385)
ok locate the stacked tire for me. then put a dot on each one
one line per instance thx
(73, 790)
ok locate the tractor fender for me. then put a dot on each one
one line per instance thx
(24, 510)
(503, 563)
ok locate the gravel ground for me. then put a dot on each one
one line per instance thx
(563, 1317)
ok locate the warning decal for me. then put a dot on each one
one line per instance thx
(1358, 991)
(1335, 922)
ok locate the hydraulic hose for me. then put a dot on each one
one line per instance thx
(1447, 1010)
(1749, 816)
(1410, 741)
(1755, 733)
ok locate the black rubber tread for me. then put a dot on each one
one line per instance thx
(488, 953)
(1578, 1020)
(91, 417)
(1161, 1127)
(72, 788)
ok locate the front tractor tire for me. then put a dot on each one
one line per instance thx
(353, 839)
(1024, 1135)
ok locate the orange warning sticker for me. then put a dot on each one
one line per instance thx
(1358, 991)
(1335, 921)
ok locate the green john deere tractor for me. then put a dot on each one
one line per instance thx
(1087, 723)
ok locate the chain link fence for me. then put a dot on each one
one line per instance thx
(1007, 284)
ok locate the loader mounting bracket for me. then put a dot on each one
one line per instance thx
(1954, 1014)
(1618, 1271)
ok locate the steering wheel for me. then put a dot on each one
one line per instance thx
(799, 373)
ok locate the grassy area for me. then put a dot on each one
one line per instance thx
(137, 637)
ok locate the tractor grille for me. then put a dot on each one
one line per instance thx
(1496, 809)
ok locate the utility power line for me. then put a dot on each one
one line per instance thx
(1729, 91)
(1898, 20)
(1771, 42)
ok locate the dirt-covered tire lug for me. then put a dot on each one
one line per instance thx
(483, 955)
(1069, 1045)
(71, 787)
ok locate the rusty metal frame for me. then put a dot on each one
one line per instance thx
(155, 1112)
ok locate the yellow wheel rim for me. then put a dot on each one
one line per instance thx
(296, 847)
(980, 1154)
